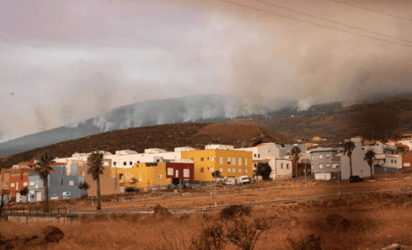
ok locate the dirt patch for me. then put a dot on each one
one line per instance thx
(235, 211)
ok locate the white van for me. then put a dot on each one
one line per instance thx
(66, 195)
(244, 179)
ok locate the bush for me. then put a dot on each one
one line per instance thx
(245, 235)
(235, 211)
(310, 242)
(211, 238)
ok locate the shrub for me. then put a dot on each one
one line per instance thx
(245, 235)
(310, 242)
(235, 211)
(211, 238)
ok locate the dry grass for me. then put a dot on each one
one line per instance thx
(376, 220)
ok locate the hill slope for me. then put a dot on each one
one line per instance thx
(167, 137)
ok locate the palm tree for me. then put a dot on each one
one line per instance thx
(348, 147)
(369, 157)
(43, 169)
(295, 152)
(95, 164)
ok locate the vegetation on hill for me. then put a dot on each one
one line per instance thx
(167, 137)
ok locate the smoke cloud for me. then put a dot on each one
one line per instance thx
(69, 61)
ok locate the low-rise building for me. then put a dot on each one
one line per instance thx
(325, 162)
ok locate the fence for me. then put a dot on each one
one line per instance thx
(34, 211)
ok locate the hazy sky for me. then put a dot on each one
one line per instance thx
(64, 61)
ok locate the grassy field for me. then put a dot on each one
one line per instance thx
(375, 220)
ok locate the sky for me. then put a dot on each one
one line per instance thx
(65, 61)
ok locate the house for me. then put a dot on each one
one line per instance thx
(406, 159)
(58, 182)
(141, 175)
(179, 171)
(19, 179)
(386, 157)
(359, 166)
(231, 163)
(324, 162)
(4, 179)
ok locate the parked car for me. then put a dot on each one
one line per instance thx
(172, 186)
(154, 188)
(229, 182)
(54, 197)
(179, 186)
(252, 179)
(355, 178)
(187, 186)
(162, 187)
(132, 189)
(244, 179)
(66, 195)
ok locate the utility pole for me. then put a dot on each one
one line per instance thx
(339, 183)
(305, 172)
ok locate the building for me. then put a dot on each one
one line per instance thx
(325, 162)
(4, 179)
(178, 172)
(19, 179)
(231, 163)
(141, 175)
(406, 159)
(386, 157)
(58, 182)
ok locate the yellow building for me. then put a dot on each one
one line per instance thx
(141, 175)
(230, 163)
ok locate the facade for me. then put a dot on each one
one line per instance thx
(325, 161)
(5, 180)
(59, 182)
(359, 166)
(406, 159)
(386, 155)
(178, 171)
(230, 163)
(108, 184)
(141, 175)
(19, 179)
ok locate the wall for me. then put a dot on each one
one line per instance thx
(326, 157)
(107, 183)
(282, 168)
(360, 167)
(180, 168)
(5, 180)
(208, 161)
(407, 159)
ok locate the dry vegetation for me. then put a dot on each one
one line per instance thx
(373, 221)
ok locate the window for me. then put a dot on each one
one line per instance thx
(114, 163)
(121, 177)
(140, 178)
(327, 156)
(24, 184)
(228, 170)
(287, 165)
(221, 170)
(258, 155)
(131, 163)
(391, 161)
(245, 161)
(186, 173)
(255, 165)
(254, 155)
(312, 157)
(240, 170)
(228, 160)
(169, 171)
(61, 182)
(202, 159)
(233, 170)
(212, 170)
(202, 170)
(320, 157)
(12, 185)
(234, 160)
(31, 183)
(176, 173)
(240, 161)
(71, 183)
(124, 163)
(127, 175)
(6, 184)
(281, 165)
(212, 159)
(395, 161)
(335, 165)
(37, 182)
(327, 165)
(320, 166)
(83, 173)
(105, 163)
(221, 160)
(160, 176)
(246, 170)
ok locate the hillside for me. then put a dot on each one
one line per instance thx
(378, 120)
(167, 137)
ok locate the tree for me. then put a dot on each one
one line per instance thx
(348, 147)
(84, 186)
(216, 174)
(369, 157)
(263, 169)
(1, 202)
(95, 164)
(43, 169)
(245, 235)
(295, 152)
(24, 192)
